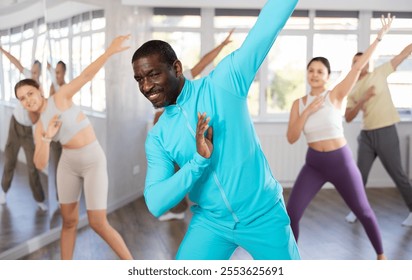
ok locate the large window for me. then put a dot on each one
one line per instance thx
(188, 53)
(400, 35)
(336, 35)
(336, 20)
(78, 41)
(176, 26)
(167, 17)
(286, 73)
(26, 43)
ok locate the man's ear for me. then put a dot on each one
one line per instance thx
(177, 66)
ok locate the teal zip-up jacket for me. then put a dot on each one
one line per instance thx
(235, 184)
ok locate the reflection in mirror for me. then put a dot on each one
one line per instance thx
(76, 33)
(64, 37)
(23, 196)
(74, 38)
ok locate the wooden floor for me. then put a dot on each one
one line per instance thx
(324, 233)
(21, 219)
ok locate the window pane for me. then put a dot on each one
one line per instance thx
(99, 93)
(335, 23)
(339, 50)
(98, 23)
(5, 39)
(297, 23)
(54, 33)
(234, 21)
(398, 23)
(176, 21)
(64, 28)
(6, 73)
(185, 44)
(286, 73)
(86, 25)
(77, 44)
(40, 46)
(42, 28)
(27, 50)
(64, 52)
(76, 64)
(85, 99)
(98, 83)
(236, 39)
(55, 51)
(76, 24)
(15, 37)
(29, 33)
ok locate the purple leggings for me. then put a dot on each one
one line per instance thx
(338, 168)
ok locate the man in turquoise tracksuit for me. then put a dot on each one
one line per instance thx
(237, 201)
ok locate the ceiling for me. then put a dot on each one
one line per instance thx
(10, 6)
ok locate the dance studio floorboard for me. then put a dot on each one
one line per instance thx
(325, 235)
(21, 219)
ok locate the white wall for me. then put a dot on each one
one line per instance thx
(128, 112)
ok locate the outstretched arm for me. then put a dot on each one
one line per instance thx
(236, 72)
(68, 90)
(13, 60)
(343, 88)
(210, 56)
(407, 51)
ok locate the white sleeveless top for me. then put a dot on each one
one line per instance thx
(324, 124)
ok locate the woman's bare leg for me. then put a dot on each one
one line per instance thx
(70, 214)
(98, 222)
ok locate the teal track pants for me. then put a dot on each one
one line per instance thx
(269, 237)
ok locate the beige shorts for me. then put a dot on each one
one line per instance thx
(83, 168)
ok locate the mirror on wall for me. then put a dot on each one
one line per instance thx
(24, 195)
(63, 37)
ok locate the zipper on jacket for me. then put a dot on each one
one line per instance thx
(222, 193)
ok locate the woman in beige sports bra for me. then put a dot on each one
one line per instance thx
(83, 163)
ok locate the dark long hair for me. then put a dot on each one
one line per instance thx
(322, 60)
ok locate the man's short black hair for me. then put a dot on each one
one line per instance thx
(156, 47)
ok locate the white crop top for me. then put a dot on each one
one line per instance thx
(70, 126)
(324, 124)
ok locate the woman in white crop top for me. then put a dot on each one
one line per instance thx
(82, 165)
(329, 159)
